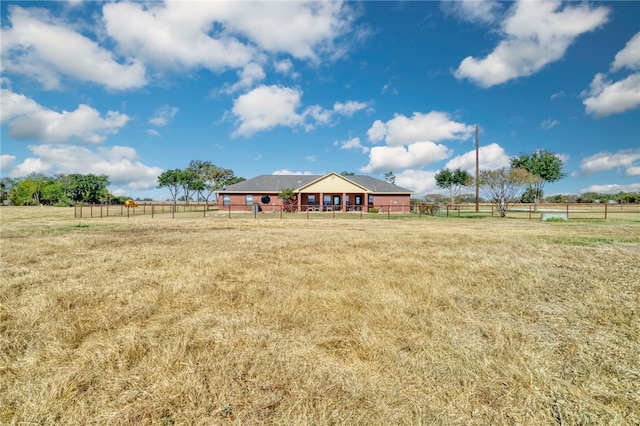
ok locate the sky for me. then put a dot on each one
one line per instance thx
(132, 89)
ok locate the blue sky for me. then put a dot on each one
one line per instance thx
(130, 89)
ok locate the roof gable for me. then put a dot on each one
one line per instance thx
(332, 182)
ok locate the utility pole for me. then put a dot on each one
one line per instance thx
(477, 172)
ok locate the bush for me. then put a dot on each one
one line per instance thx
(373, 210)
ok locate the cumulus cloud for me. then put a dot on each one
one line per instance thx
(433, 126)
(535, 34)
(421, 182)
(266, 107)
(415, 155)
(473, 11)
(120, 163)
(605, 96)
(6, 160)
(612, 188)
(490, 157)
(603, 161)
(30, 121)
(248, 77)
(208, 34)
(163, 115)
(44, 49)
(353, 143)
(629, 56)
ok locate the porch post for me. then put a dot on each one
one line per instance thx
(299, 201)
(344, 201)
(321, 204)
(366, 201)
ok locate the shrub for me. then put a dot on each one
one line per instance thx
(373, 210)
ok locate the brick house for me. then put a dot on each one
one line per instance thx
(330, 192)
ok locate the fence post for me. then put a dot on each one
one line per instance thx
(567, 210)
(389, 211)
(529, 211)
(229, 211)
(605, 210)
(152, 208)
(447, 210)
(459, 208)
(100, 211)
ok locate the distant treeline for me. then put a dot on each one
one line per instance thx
(58, 190)
(587, 197)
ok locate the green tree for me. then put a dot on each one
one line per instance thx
(213, 178)
(453, 180)
(289, 199)
(390, 177)
(504, 187)
(345, 173)
(172, 180)
(7, 187)
(87, 188)
(545, 165)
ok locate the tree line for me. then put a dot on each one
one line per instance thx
(522, 182)
(58, 190)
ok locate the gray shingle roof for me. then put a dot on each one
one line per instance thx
(277, 183)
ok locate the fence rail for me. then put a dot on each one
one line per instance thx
(518, 211)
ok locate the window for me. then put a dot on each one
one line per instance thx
(311, 199)
(248, 200)
(371, 199)
(358, 200)
(226, 200)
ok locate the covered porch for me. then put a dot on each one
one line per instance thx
(331, 201)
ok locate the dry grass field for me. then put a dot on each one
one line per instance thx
(199, 321)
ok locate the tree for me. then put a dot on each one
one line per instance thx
(453, 180)
(390, 177)
(172, 180)
(87, 188)
(529, 195)
(504, 186)
(213, 178)
(345, 173)
(546, 165)
(289, 199)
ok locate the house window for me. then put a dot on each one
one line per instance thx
(226, 200)
(358, 200)
(248, 200)
(370, 199)
(311, 199)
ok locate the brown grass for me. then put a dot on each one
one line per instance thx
(218, 321)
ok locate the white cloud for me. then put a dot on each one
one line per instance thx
(163, 115)
(612, 188)
(549, 124)
(31, 121)
(266, 107)
(14, 105)
(350, 144)
(633, 171)
(473, 11)
(248, 77)
(208, 34)
(377, 132)
(289, 172)
(422, 182)
(348, 108)
(629, 56)
(490, 157)
(283, 67)
(41, 48)
(434, 126)
(535, 34)
(604, 161)
(416, 155)
(6, 160)
(153, 132)
(120, 163)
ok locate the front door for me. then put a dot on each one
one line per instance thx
(336, 202)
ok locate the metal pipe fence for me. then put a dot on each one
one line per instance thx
(419, 210)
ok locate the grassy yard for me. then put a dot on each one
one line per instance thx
(213, 320)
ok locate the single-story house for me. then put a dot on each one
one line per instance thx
(330, 192)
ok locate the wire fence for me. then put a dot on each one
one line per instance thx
(420, 210)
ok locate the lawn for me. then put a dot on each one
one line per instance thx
(210, 320)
